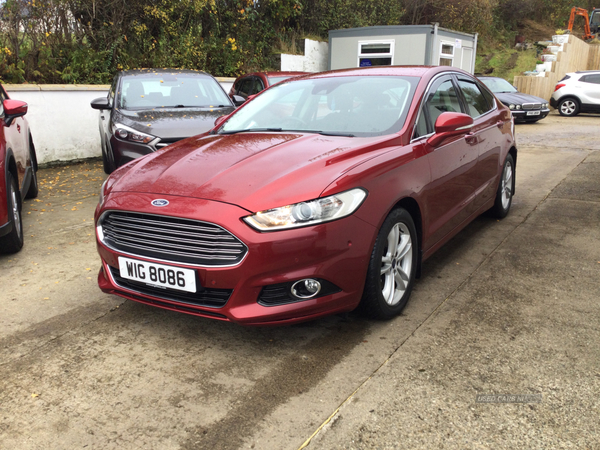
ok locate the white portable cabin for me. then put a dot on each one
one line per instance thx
(401, 45)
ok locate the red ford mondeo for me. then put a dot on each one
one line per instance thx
(322, 194)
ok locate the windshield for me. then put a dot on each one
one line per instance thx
(498, 85)
(279, 78)
(354, 105)
(171, 91)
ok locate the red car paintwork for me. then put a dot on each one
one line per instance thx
(224, 178)
(17, 157)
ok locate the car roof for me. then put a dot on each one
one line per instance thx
(150, 71)
(412, 71)
(286, 73)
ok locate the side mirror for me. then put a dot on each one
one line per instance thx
(100, 103)
(450, 124)
(238, 100)
(12, 110)
(219, 120)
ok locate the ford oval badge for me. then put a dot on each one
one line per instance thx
(160, 202)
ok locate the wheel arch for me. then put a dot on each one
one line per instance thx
(413, 208)
(10, 166)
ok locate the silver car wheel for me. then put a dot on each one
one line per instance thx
(506, 188)
(15, 210)
(396, 264)
(568, 107)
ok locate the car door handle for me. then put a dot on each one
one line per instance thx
(471, 139)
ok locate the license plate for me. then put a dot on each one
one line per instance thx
(533, 113)
(158, 274)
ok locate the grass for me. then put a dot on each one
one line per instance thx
(506, 62)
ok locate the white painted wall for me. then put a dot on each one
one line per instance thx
(315, 58)
(63, 124)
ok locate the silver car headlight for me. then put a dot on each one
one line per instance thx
(511, 106)
(129, 134)
(308, 213)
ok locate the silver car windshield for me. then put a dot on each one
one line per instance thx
(171, 91)
(351, 106)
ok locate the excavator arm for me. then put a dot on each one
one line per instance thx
(575, 11)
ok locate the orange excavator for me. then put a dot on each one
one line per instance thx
(576, 11)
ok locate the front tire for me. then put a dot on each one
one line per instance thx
(107, 160)
(506, 187)
(13, 241)
(392, 268)
(568, 107)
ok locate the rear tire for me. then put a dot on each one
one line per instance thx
(568, 107)
(13, 241)
(393, 266)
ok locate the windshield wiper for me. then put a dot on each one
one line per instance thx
(250, 129)
(335, 133)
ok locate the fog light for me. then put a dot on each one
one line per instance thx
(306, 288)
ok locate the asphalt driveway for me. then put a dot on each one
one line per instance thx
(508, 310)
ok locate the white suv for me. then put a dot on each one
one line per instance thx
(577, 92)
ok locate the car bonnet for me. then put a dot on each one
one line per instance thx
(255, 171)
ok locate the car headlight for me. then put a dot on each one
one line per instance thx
(308, 213)
(511, 106)
(129, 134)
(518, 107)
(545, 105)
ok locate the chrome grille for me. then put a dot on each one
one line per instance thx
(171, 239)
(530, 106)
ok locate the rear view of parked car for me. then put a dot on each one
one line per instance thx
(18, 167)
(577, 92)
(148, 109)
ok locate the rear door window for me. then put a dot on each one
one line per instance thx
(475, 101)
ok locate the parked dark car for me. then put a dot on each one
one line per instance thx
(147, 109)
(18, 171)
(524, 107)
(253, 83)
(321, 194)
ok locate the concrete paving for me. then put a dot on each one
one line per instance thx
(507, 308)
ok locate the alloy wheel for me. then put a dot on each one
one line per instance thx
(507, 185)
(15, 210)
(396, 264)
(568, 107)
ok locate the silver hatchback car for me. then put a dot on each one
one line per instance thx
(577, 92)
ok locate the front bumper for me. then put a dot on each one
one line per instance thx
(126, 151)
(337, 252)
(535, 114)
